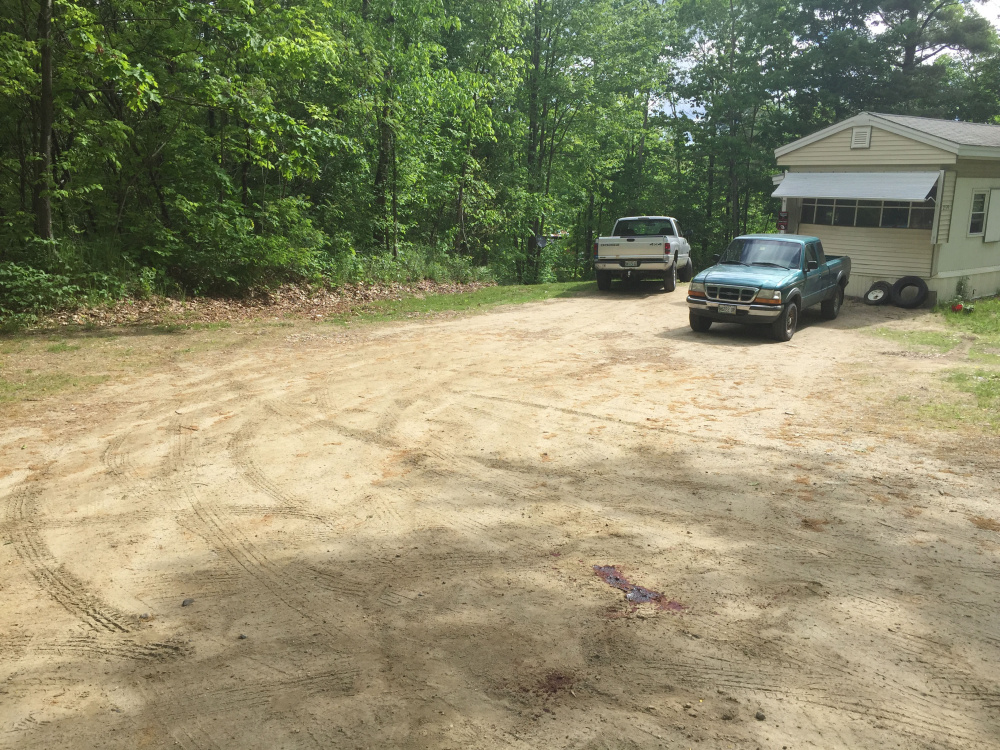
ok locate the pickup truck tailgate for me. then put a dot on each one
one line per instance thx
(629, 247)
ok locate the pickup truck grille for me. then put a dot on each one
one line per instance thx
(723, 293)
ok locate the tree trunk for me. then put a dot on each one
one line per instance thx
(395, 201)
(381, 182)
(709, 198)
(463, 244)
(589, 231)
(41, 199)
(534, 144)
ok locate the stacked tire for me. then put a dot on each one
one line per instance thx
(908, 292)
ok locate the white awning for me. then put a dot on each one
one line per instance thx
(876, 186)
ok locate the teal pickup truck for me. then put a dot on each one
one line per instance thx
(768, 279)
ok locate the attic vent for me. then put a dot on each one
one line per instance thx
(861, 137)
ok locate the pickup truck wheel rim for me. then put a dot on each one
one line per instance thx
(791, 319)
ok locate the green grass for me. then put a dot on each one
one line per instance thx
(983, 384)
(62, 346)
(34, 386)
(984, 321)
(984, 324)
(479, 300)
(921, 340)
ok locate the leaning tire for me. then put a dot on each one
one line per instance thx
(908, 300)
(878, 293)
(670, 282)
(830, 308)
(686, 273)
(785, 326)
(699, 323)
(604, 281)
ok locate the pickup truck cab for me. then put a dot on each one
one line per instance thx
(768, 279)
(643, 247)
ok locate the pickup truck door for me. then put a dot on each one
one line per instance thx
(814, 286)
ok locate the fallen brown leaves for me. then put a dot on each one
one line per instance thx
(289, 301)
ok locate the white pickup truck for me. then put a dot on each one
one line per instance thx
(643, 247)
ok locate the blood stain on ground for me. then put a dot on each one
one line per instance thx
(633, 592)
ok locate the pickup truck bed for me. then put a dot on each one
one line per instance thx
(768, 279)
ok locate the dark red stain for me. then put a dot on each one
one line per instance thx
(633, 592)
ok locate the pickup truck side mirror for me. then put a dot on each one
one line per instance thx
(812, 265)
(715, 258)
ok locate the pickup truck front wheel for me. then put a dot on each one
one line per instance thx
(699, 323)
(784, 327)
(604, 281)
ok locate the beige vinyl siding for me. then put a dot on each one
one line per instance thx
(978, 168)
(947, 201)
(883, 253)
(965, 252)
(886, 149)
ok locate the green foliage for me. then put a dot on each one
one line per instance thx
(29, 290)
(214, 148)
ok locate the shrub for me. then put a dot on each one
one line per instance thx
(24, 289)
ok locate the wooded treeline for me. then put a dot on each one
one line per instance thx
(210, 147)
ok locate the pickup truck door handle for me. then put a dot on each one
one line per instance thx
(630, 239)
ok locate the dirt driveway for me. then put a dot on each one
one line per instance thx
(387, 537)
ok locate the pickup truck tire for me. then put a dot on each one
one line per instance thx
(699, 323)
(784, 327)
(604, 281)
(909, 301)
(670, 280)
(878, 293)
(830, 308)
(686, 273)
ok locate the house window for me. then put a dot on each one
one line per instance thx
(870, 214)
(895, 215)
(977, 222)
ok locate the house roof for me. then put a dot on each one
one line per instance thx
(965, 139)
(962, 133)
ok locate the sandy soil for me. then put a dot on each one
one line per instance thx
(388, 536)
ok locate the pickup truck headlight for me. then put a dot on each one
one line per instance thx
(769, 295)
(696, 286)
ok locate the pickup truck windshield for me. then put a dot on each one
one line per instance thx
(760, 252)
(643, 228)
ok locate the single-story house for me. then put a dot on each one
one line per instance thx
(903, 196)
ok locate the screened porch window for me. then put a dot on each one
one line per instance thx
(871, 214)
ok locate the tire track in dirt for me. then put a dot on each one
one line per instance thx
(24, 532)
(289, 504)
(925, 718)
(213, 523)
(114, 631)
(123, 649)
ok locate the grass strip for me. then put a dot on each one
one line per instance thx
(921, 340)
(417, 306)
(35, 386)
